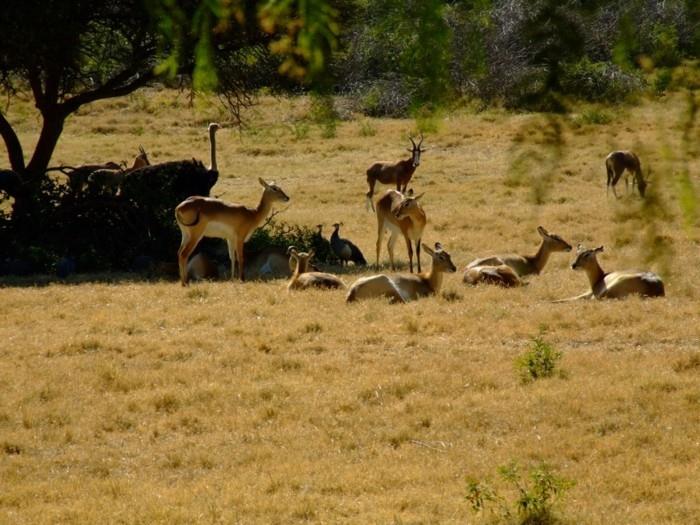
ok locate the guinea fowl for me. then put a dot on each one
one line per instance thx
(345, 250)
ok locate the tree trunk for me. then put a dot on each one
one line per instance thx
(51, 129)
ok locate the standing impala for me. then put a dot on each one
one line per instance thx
(398, 173)
(400, 214)
(200, 217)
(527, 264)
(405, 287)
(613, 285)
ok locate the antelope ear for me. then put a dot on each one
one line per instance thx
(542, 231)
(409, 150)
(598, 249)
(428, 249)
(262, 182)
(580, 247)
(291, 250)
(311, 253)
(419, 196)
(438, 246)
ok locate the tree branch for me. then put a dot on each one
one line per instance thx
(117, 86)
(14, 148)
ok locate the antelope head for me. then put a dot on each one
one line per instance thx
(585, 257)
(441, 259)
(407, 205)
(272, 191)
(416, 150)
(553, 241)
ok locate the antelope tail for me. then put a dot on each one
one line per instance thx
(195, 221)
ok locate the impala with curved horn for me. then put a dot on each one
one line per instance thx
(398, 173)
(613, 285)
(200, 217)
(405, 287)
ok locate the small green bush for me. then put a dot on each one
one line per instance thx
(539, 361)
(599, 81)
(535, 497)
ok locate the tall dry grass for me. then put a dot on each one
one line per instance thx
(143, 402)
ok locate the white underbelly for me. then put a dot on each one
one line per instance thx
(219, 230)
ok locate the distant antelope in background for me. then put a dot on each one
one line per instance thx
(616, 163)
(398, 173)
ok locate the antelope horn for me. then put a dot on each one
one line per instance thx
(411, 139)
(421, 140)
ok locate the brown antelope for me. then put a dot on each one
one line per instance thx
(200, 217)
(405, 287)
(500, 275)
(140, 161)
(302, 278)
(618, 162)
(398, 173)
(402, 214)
(527, 264)
(613, 285)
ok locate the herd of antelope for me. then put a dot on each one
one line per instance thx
(400, 212)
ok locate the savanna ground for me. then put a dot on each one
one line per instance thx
(131, 401)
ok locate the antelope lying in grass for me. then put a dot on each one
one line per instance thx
(398, 173)
(302, 278)
(200, 217)
(613, 285)
(202, 267)
(402, 214)
(527, 264)
(500, 275)
(405, 287)
(618, 162)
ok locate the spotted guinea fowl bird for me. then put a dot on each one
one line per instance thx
(345, 250)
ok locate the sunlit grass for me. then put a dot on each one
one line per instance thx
(143, 402)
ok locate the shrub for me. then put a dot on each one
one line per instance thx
(539, 361)
(599, 81)
(535, 498)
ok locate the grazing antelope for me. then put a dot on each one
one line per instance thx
(398, 173)
(616, 163)
(613, 285)
(200, 217)
(527, 264)
(405, 287)
(501, 275)
(302, 278)
(403, 214)
(345, 250)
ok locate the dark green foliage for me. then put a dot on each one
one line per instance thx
(102, 231)
(599, 81)
(283, 235)
(535, 495)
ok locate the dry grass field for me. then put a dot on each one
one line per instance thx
(137, 402)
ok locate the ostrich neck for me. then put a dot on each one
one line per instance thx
(212, 140)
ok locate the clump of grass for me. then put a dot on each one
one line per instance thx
(536, 495)
(594, 116)
(300, 130)
(367, 129)
(539, 361)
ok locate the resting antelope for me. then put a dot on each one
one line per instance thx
(400, 214)
(527, 264)
(405, 287)
(616, 163)
(302, 278)
(398, 173)
(613, 285)
(200, 217)
(501, 275)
